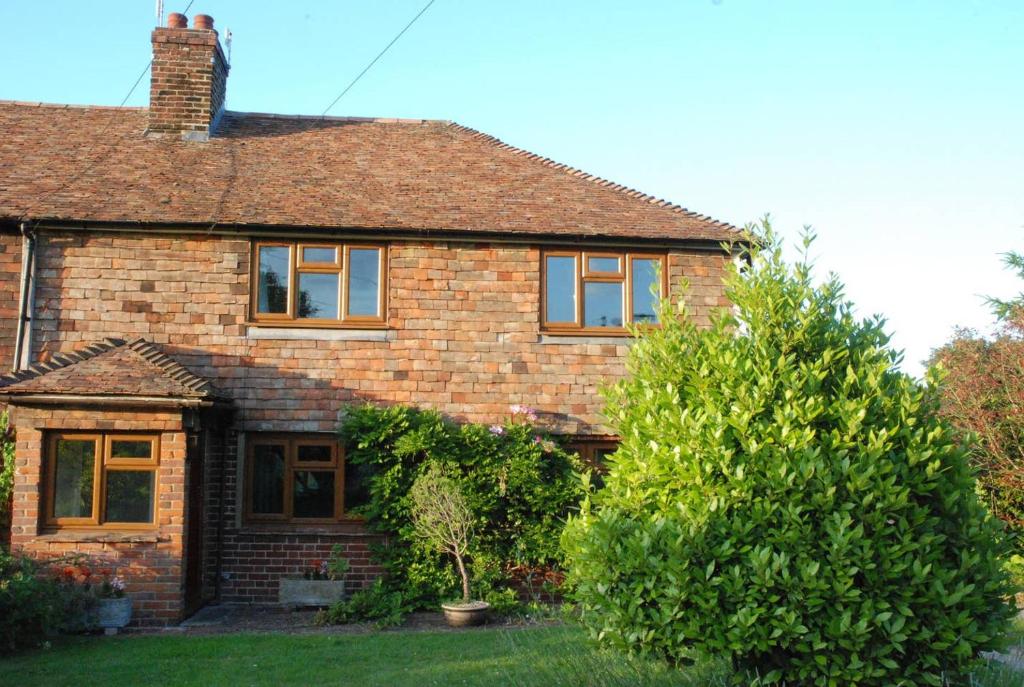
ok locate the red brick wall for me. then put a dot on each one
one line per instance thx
(465, 335)
(253, 559)
(464, 339)
(150, 561)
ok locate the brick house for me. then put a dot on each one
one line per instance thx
(190, 297)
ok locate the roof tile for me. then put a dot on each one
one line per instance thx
(95, 164)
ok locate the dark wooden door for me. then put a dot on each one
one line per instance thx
(194, 526)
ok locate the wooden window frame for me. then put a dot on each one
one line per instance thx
(584, 276)
(340, 267)
(103, 464)
(292, 464)
(586, 449)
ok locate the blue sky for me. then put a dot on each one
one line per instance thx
(893, 128)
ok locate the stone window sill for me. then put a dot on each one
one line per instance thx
(95, 537)
(577, 339)
(318, 333)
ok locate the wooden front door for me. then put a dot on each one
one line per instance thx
(195, 458)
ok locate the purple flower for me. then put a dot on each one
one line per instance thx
(537, 439)
(497, 430)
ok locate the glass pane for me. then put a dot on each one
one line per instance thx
(602, 304)
(364, 282)
(130, 448)
(603, 265)
(560, 273)
(357, 485)
(129, 496)
(314, 494)
(314, 453)
(645, 278)
(268, 479)
(318, 296)
(320, 255)
(273, 287)
(73, 477)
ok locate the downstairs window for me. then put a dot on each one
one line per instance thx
(300, 478)
(101, 480)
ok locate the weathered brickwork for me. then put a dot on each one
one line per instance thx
(150, 561)
(189, 77)
(464, 332)
(464, 337)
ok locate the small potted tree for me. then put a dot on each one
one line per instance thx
(322, 583)
(113, 608)
(442, 519)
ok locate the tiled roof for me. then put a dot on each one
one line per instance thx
(95, 164)
(112, 367)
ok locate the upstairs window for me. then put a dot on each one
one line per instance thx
(101, 480)
(319, 284)
(600, 291)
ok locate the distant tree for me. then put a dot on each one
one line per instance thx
(983, 395)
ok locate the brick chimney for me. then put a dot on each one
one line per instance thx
(189, 79)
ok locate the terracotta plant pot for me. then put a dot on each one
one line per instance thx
(465, 614)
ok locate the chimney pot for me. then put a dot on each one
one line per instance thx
(202, 21)
(177, 20)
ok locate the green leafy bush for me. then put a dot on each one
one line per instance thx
(6, 474)
(518, 486)
(376, 604)
(783, 496)
(30, 606)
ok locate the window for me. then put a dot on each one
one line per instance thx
(319, 284)
(600, 291)
(593, 454)
(300, 479)
(101, 480)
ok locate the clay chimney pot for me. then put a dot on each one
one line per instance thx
(203, 22)
(177, 20)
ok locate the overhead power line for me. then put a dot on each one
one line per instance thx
(379, 55)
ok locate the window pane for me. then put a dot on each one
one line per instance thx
(560, 273)
(314, 494)
(125, 448)
(314, 453)
(273, 287)
(320, 255)
(318, 296)
(364, 282)
(603, 265)
(73, 478)
(602, 304)
(268, 479)
(645, 278)
(129, 496)
(357, 485)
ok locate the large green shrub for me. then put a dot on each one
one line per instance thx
(6, 475)
(519, 488)
(785, 497)
(30, 606)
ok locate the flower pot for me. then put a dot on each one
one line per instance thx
(113, 614)
(465, 614)
(300, 592)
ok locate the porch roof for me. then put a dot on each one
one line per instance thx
(112, 369)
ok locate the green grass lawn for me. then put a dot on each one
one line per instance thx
(541, 656)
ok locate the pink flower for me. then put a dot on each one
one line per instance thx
(497, 430)
(526, 411)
